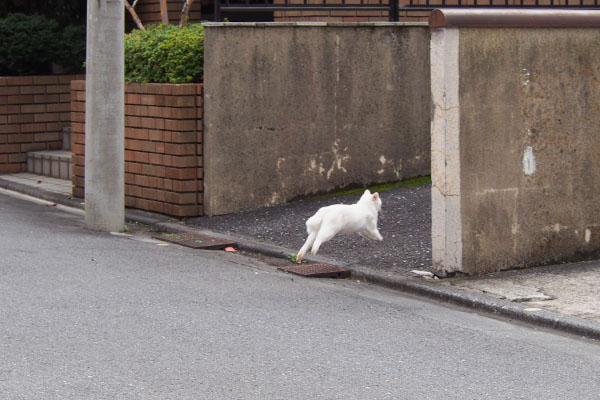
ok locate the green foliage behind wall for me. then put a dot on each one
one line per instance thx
(30, 44)
(165, 54)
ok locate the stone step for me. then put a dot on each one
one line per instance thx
(54, 163)
(66, 135)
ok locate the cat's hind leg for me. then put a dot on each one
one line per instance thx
(307, 244)
(372, 234)
(325, 234)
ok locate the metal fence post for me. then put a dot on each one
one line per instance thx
(217, 11)
(393, 10)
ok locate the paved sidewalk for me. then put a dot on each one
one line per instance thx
(44, 183)
(564, 297)
(571, 289)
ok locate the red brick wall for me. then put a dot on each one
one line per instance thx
(163, 147)
(149, 12)
(33, 112)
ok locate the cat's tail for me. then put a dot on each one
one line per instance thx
(306, 246)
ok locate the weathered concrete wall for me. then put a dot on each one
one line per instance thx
(518, 168)
(296, 109)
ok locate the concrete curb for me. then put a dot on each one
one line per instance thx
(415, 286)
(41, 194)
(485, 303)
(142, 217)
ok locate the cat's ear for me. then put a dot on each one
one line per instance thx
(375, 196)
(368, 192)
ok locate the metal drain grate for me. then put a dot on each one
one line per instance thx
(319, 270)
(195, 240)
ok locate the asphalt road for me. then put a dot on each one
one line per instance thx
(86, 315)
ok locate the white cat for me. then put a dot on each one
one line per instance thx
(358, 218)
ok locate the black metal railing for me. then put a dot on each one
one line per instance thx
(428, 5)
(303, 5)
(392, 7)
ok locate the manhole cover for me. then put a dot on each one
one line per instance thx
(195, 240)
(317, 271)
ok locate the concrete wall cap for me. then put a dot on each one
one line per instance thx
(515, 18)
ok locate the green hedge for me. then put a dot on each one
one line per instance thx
(29, 44)
(72, 50)
(165, 54)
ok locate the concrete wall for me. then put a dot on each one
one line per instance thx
(294, 109)
(515, 147)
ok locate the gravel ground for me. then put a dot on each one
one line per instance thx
(404, 223)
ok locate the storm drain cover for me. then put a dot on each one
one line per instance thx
(195, 240)
(319, 270)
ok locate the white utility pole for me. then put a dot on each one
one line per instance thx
(104, 117)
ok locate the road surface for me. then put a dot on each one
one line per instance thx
(87, 315)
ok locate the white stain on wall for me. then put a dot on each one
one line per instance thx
(525, 77)
(280, 162)
(528, 161)
(382, 160)
(588, 235)
(339, 157)
(316, 167)
(275, 199)
(389, 165)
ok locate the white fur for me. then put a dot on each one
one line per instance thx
(358, 218)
